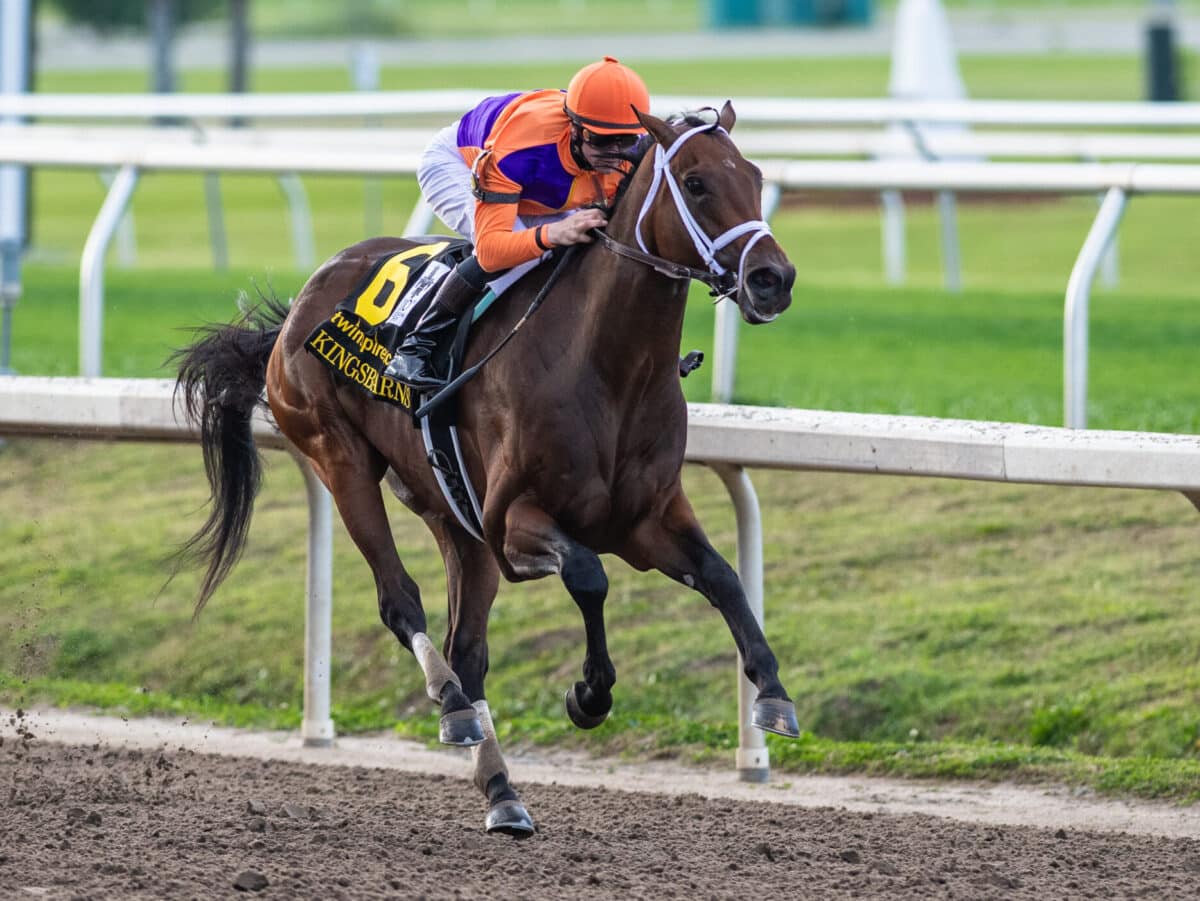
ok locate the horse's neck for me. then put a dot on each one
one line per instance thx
(636, 290)
(630, 309)
(613, 318)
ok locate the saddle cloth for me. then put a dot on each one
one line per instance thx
(357, 342)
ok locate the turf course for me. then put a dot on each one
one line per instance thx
(923, 627)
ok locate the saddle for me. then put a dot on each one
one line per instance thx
(357, 342)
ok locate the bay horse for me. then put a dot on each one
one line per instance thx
(573, 437)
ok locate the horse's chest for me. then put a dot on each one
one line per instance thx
(605, 474)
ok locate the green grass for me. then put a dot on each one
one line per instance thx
(924, 627)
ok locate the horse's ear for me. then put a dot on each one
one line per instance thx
(659, 130)
(727, 117)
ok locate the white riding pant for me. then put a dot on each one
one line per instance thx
(445, 181)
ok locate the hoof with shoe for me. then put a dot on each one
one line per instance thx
(776, 715)
(510, 818)
(461, 728)
(578, 715)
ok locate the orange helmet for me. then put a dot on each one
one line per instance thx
(600, 96)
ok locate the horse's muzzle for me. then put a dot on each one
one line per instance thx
(766, 292)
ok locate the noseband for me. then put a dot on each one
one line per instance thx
(723, 282)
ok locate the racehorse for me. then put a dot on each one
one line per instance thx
(573, 438)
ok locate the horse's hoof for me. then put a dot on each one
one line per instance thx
(461, 728)
(776, 715)
(510, 818)
(577, 714)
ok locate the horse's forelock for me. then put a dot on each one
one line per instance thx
(690, 119)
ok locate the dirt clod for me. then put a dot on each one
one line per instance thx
(250, 881)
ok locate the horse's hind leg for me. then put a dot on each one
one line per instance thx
(677, 546)
(471, 581)
(534, 545)
(359, 499)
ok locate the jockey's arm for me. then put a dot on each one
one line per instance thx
(498, 247)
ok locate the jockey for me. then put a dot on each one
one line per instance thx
(511, 176)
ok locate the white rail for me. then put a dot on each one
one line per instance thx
(726, 438)
(756, 110)
(788, 142)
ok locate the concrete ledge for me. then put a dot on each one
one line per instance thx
(780, 438)
(767, 437)
(103, 408)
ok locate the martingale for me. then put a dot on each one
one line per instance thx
(358, 340)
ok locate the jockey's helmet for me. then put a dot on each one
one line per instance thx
(601, 98)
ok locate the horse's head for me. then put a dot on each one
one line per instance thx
(704, 208)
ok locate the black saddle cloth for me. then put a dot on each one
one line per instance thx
(359, 339)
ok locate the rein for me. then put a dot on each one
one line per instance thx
(723, 282)
(722, 285)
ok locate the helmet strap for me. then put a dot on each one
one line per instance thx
(577, 148)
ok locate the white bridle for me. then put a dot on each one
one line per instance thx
(706, 247)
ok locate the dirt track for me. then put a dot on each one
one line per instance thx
(102, 821)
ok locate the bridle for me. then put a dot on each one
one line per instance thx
(722, 281)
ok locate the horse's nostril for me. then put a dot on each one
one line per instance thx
(764, 280)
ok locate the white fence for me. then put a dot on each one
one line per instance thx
(751, 110)
(780, 141)
(728, 439)
(906, 133)
(1117, 181)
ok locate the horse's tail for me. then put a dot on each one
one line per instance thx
(222, 376)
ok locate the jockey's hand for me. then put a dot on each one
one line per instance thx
(574, 229)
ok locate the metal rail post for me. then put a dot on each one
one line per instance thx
(126, 232)
(303, 244)
(753, 759)
(1075, 311)
(15, 36)
(892, 226)
(420, 221)
(316, 729)
(951, 255)
(91, 270)
(216, 221)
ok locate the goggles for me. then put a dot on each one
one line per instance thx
(610, 143)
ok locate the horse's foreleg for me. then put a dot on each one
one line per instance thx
(677, 546)
(472, 578)
(360, 502)
(534, 545)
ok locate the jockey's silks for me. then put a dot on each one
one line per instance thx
(526, 139)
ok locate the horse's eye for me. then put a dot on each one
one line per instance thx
(694, 185)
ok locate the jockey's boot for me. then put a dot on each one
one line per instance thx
(413, 364)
